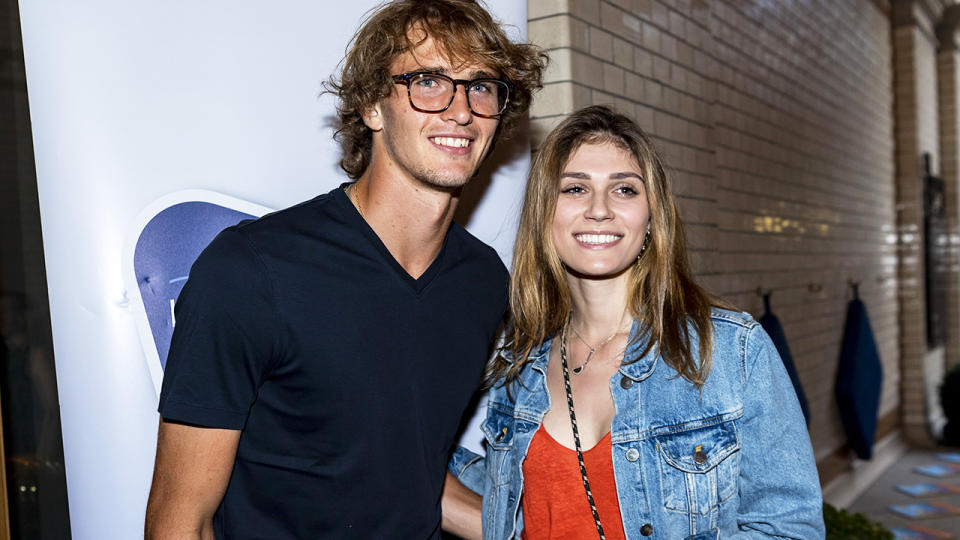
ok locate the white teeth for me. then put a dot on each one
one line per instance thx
(596, 238)
(455, 142)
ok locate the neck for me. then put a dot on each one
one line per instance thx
(599, 307)
(410, 218)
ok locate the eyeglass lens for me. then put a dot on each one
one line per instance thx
(431, 93)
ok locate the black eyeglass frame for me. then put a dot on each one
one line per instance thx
(405, 78)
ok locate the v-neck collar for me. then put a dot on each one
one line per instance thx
(417, 285)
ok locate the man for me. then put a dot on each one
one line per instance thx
(324, 354)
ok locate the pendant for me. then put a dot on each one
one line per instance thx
(578, 369)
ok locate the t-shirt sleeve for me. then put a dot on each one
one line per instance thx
(225, 339)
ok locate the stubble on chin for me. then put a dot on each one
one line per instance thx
(444, 179)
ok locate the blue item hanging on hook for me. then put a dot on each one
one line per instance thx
(771, 324)
(859, 379)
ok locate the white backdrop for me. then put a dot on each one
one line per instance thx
(133, 101)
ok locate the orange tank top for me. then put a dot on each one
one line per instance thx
(555, 505)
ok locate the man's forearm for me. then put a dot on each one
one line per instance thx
(189, 479)
(165, 523)
(462, 514)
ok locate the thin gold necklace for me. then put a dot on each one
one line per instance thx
(355, 197)
(578, 369)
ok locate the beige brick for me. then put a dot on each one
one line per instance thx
(554, 98)
(560, 67)
(651, 38)
(661, 69)
(621, 23)
(545, 8)
(601, 44)
(613, 79)
(633, 87)
(586, 69)
(623, 53)
(644, 117)
(643, 62)
(661, 15)
(604, 98)
(678, 24)
(668, 47)
(643, 8)
(588, 10)
(552, 32)
(653, 92)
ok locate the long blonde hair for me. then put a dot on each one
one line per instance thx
(661, 292)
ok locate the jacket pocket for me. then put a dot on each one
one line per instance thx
(498, 431)
(699, 467)
(712, 534)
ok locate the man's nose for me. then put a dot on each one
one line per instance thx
(459, 109)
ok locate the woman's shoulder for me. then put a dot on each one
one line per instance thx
(723, 318)
(534, 366)
(738, 336)
(737, 331)
(730, 325)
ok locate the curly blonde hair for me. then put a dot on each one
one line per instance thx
(464, 31)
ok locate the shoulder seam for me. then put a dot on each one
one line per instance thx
(736, 317)
(273, 215)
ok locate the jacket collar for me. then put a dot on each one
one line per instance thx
(636, 367)
(537, 368)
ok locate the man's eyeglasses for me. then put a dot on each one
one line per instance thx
(433, 93)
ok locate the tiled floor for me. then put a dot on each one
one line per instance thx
(874, 502)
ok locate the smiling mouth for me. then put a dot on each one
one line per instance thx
(452, 142)
(597, 239)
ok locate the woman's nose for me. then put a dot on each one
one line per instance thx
(599, 208)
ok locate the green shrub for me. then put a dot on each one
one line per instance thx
(842, 525)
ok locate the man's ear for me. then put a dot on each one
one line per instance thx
(372, 117)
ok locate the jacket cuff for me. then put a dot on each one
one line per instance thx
(468, 468)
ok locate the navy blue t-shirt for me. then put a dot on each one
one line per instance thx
(348, 377)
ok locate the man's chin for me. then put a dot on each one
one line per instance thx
(451, 183)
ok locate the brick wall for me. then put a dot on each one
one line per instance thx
(917, 133)
(948, 86)
(775, 120)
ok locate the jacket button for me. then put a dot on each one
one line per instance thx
(647, 529)
(626, 382)
(700, 457)
(632, 455)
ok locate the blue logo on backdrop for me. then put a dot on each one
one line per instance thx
(165, 249)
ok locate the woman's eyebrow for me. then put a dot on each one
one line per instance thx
(577, 175)
(627, 174)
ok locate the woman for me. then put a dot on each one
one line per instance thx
(625, 403)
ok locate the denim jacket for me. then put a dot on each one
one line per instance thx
(732, 462)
